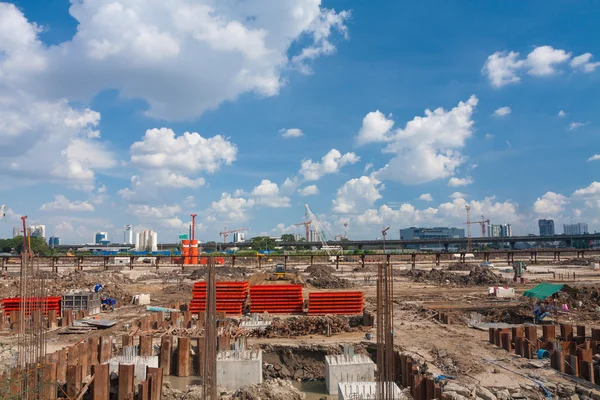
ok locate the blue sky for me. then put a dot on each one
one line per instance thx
(95, 99)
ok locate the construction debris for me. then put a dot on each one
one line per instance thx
(276, 389)
(478, 276)
(301, 326)
(322, 276)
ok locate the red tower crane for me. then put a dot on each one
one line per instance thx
(193, 226)
(306, 227)
(226, 233)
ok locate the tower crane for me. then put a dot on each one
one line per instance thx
(226, 233)
(306, 227)
(469, 223)
(384, 234)
(2, 211)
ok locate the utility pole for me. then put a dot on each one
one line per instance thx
(193, 225)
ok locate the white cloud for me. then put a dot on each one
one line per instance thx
(454, 182)
(176, 223)
(592, 190)
(182, 58)
(561, 114)
(502, 68)
(331, 163)
(428, 147)
(583, 63)
(368, 167)
(189, 202)
(144, 211)
(232, 208)
(502, 111)
(576, 125)
(291, 133)
(267, 194)
(458, 195)
(595, 157)
(357, 194)
(310, 190)
(489, 136)
(426, 197)
(543, 60)
(375, 128)
(550, 204)
(289, 186)
(62, 203)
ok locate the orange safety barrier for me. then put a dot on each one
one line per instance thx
(278, 299)
(341, 303)
(230, 297)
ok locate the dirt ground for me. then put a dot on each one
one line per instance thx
(455, 350)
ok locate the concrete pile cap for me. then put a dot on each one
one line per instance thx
(344, 359)
(232, 355)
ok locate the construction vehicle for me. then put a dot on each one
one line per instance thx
(281, 274)
(518, 268)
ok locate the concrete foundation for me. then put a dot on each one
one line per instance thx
(347, 368)
(237, 369)
(365, 391)
(130, 357)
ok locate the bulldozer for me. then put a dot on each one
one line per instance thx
(281, 274)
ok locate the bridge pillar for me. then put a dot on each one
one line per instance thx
(568, 242)
(362, 260)
(463, 257)
(512, 245)
(437, 259)
(232, 261)
(413, 257)
(337, 261)
(446, 247)
(508, 257)
(131, 258)
(105, 262)
(512, 257)
(157, 262)
(312, 258)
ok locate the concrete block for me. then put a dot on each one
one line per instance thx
(237, 369)
(354, 368)
(366, 391)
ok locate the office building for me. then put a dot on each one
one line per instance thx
(575, 229)
(238, 237)
(100, 237)
(502, 230)
(298, 237)
(146, 240)
(54, 241)
(17, 232)
(128, 234)
(546, 227)
(38, 231)
(436, 233)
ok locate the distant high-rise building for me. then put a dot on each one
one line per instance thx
(17, 232)
(128, 234)
(238, 237)
(575, 229)
(502, 230)
(38, 231)
(100, 237)
(54, 241)
(546, 227)
(298, 237)
(315, 236)
(146, 240)
(436, 233)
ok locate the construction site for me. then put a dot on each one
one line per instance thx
(474, 325)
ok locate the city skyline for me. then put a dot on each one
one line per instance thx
(358, 111)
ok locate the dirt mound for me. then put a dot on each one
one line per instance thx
(301, 326)
(578, 261)
(77, 281)
(178, 289)
(223, 273)
(589, 296)
(478, 276)
(459, 267)
(322, 276)
(276, 389)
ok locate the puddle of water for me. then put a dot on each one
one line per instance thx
(314, 390)
(181, 382)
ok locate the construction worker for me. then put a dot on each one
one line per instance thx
(98, 288)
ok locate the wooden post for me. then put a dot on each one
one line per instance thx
(100, 389)
(183, 356)
(166, 348)
(126, 375)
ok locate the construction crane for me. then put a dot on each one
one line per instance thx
(2, 211)
(469, 245)
(306, 226)
(321, 231)
(345, 230)
(384, 234)
(226, 233)
(193, 234)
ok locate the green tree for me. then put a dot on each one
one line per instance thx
(263, 243)
(38, 245)
(288, 237)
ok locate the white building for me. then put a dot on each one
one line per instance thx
(504, 230)
(238, 237)
(17, 232)
(575, 229)
(315, 236)
(128, 234)
(298, 237)
(38, 231)
(146, 240)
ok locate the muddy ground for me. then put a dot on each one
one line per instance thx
(295, 347)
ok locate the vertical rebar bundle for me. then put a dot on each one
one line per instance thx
(31, 339)
(385, 334)
(210, 334)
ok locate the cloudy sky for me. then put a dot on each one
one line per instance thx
(394, 113)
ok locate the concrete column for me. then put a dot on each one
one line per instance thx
(145, 346)
(166, 348)
(126, 375)
(100, 389)
(74, 379)
(183, 356)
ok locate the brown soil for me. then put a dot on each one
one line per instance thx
(478, 276)
(301, 326)
(322, 276)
